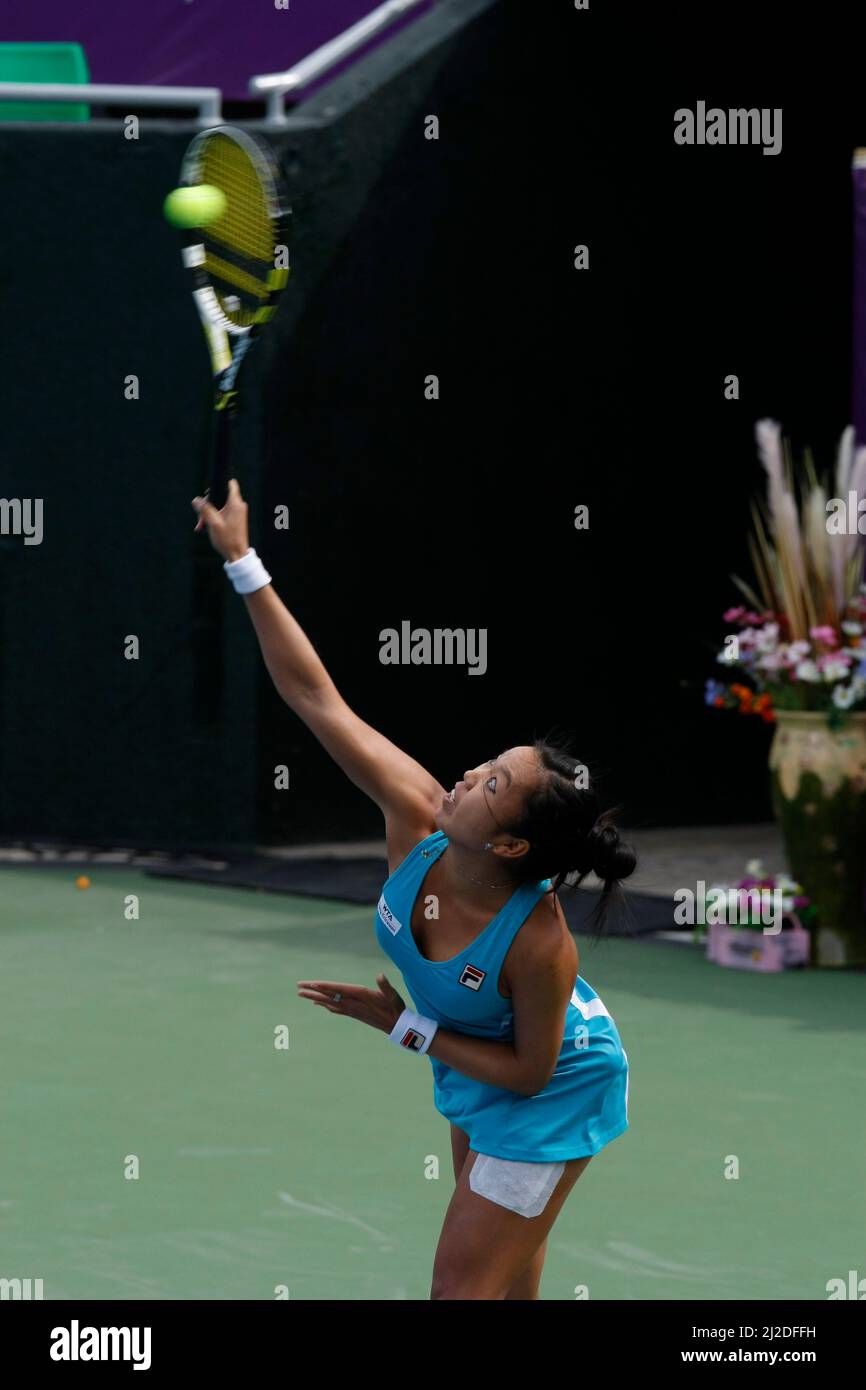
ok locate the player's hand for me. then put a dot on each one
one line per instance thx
(380, 1008)
(228, 528)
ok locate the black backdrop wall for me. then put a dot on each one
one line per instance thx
(559, 387)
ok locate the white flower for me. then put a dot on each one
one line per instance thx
(853, 629)
(786, 883)
(858, 686)
(835, 670)
(843, 697)
(755, 868)
(807, 671)
(767, 638)
(798, 651)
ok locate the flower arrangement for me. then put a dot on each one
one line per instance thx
(795, 903)
(801, 641)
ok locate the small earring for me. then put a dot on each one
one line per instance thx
(488, 845)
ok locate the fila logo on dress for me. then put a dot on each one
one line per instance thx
(472, 977)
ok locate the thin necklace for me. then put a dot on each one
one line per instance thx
(479, 881)
(504, 884)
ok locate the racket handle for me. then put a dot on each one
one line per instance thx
(220, 469)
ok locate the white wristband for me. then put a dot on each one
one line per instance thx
(413, 1031)
(248, 573)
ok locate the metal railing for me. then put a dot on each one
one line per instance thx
(207, 99)
(276, 86)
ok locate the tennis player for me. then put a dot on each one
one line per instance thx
(527, 1062)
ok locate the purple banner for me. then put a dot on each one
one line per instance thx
(858, 354)
(188, 43)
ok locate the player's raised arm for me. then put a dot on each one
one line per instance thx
(407, 794)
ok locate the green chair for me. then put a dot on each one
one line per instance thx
(43, 62)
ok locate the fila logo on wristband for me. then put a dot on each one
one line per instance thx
(413, 1031)
(472, 977)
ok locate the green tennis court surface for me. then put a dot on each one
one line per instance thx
(306, 1167)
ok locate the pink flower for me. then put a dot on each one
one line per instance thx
(744, 617)
(824, 634)
(796, 652)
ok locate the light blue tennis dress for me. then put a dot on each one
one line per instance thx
(585, 1103)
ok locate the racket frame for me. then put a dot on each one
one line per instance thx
(228, 342)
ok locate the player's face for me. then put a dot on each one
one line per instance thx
(488, 797)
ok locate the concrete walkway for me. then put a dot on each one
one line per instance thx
(668, 858)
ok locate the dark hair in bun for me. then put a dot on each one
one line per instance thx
(569, 835)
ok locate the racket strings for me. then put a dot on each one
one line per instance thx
(239, 245)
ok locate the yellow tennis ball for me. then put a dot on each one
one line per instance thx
(82, 882)
(196, 206)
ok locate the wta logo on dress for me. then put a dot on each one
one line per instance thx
(388, 917)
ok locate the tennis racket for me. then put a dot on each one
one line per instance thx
(239, 266)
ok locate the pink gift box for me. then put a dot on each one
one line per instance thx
(746, 948)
